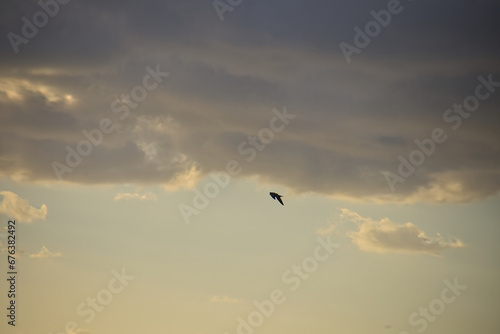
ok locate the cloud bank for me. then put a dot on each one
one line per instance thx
(353, 120)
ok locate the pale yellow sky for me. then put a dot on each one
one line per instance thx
(244, 249)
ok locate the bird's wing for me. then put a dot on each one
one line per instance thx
(279, 199)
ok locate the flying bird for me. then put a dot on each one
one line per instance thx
(276, 196)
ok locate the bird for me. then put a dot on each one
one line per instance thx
(276, 196)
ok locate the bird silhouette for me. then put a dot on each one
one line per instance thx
(276, 196)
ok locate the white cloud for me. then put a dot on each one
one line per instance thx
(45, 253)
(141, 197)
(224, 299)
(386, 236)
(19, 209)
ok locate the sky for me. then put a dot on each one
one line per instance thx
(139, 142)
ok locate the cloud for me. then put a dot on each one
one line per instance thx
(386, 236)
(353, 120)
(187, 179)
(45, 253)
(458, 186)
(137, 196)
(19, 209)
(326, 230)
(225, 299)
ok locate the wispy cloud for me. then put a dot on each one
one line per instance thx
(325, 230)
(386, 236)
(79, 331)
(225, 299)
(45, 253)
(136, 196)
(19, 209)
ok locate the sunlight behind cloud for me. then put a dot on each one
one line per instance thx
(187, 180)
(16, 90)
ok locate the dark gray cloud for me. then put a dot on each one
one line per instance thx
(353, 120)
